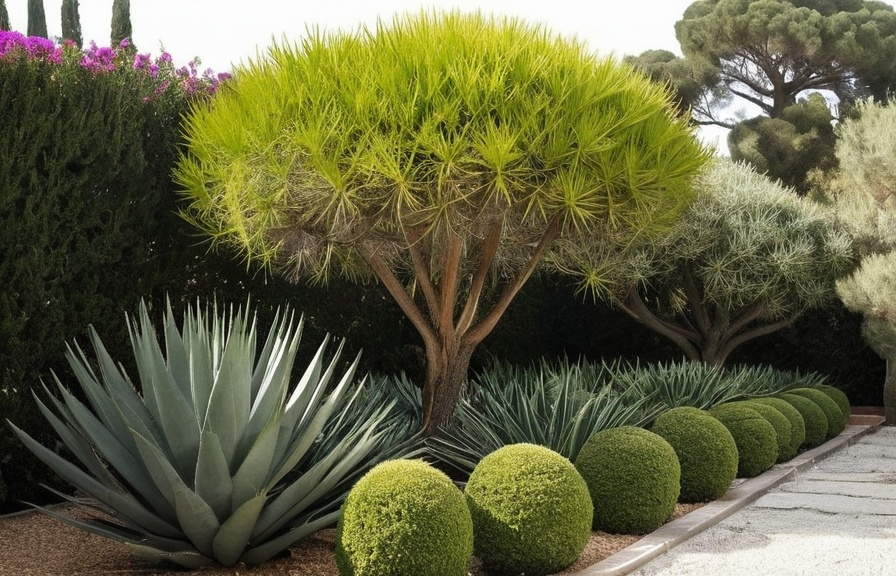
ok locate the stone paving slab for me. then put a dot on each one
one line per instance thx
(828, 503)
(884, 490)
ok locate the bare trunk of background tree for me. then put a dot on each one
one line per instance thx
(890, 393)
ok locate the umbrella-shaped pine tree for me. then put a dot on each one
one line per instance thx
(443, 154)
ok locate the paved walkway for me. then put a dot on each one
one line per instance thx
(830, 512)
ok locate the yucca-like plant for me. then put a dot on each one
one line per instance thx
(558, 406)
(703, 386)
(220, 458)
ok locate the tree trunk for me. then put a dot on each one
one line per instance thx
(890, 393)
(446, 376)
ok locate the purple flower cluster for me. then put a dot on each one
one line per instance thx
(160, 71)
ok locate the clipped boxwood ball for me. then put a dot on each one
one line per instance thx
(797, 425)
(783, 435)
(404, 518)
(757, 444)
(835, 417)
(813, 416)
(633, 476)
(706, 452)
(840, 397)
(531, 511)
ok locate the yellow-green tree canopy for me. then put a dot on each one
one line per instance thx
(437, 152)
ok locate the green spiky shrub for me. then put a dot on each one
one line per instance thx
(783, 432)
(706, 452)
(556, 405)
(531, 511)
(797, 424)
(814, 418)
(633, 476)
(404, 517)
(835, 417)
(756, 439)
(840, 398)
(220, 458)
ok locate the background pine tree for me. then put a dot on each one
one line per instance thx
(71, 22)
(121, 21)
(37, 19)
(4, 17)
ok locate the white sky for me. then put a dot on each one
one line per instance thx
(224, 32)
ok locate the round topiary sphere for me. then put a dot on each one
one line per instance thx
(840, 397)
(813, 416)
(531, 510)
(706, 452)
(756, 439)
(633, 476)
(835, 417)
(782, 427)
(404, 517)
(797, 424)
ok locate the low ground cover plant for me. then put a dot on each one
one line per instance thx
(404, 517)
(219, 458)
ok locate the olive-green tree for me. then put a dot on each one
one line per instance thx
(864, 194)
(37, 19)
(121, 21)
(790, 147)
(443, 155)
(768, 52)
(747, 259)
(71, 22)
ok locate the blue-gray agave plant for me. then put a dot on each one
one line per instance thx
(219, 458)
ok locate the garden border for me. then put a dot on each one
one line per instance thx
(742, 493)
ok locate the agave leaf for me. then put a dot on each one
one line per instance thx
(307, 388)
(131, 408)
(189, 559)
(250, 480)
(108, 446)
(199, 349)
(96, 394)
(228, 405)
(178, 363)
(270, 548)
(196, 517)
(233, 537)
(125, 504)
(307, 434)
(213, 481)
(176, 417)
(75, 442)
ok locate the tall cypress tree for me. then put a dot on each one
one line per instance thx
(37, 19)
(4, 17)
(71, 22)
(121, 21)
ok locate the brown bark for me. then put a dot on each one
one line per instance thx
(890, 393)
(450, 329)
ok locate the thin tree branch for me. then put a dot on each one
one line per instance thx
(755, 333)
(634, 306)
(448, 285)
(422, 272)
(695, 298)
(482, 329)
(487, 250)
(400, 295)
